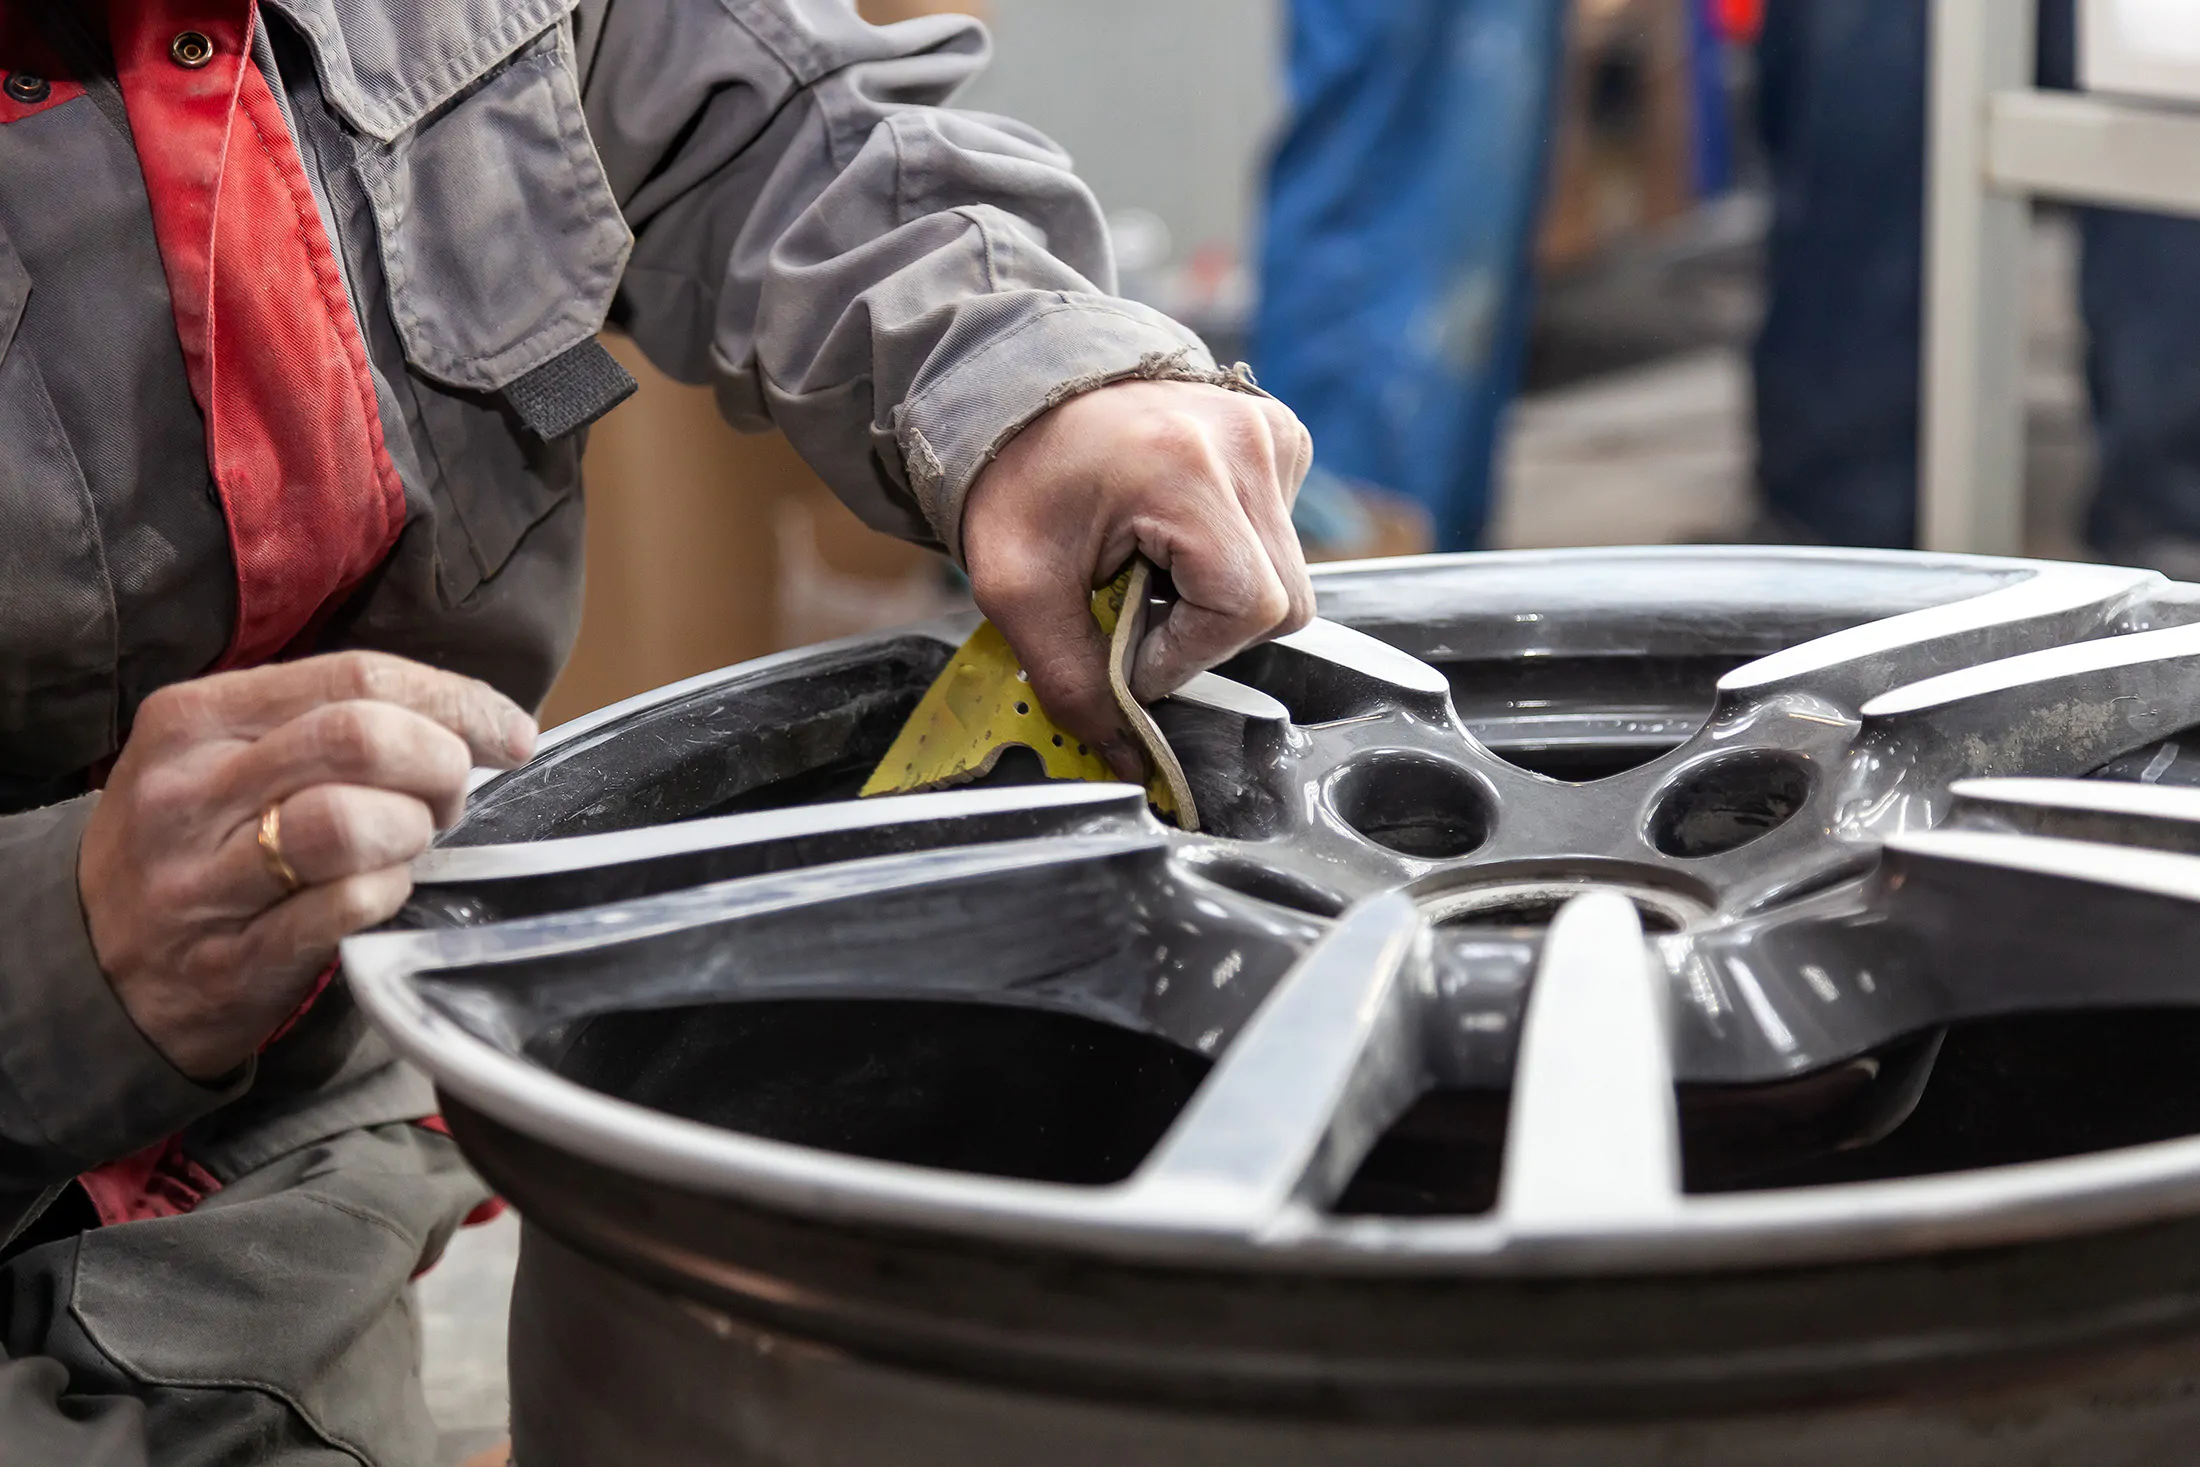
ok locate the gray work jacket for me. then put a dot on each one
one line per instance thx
(766, 194)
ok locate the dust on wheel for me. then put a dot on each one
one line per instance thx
(1721, 1006)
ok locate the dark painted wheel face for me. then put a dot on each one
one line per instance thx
(1500, 858)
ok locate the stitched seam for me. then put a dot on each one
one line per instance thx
(410, 104)
(354, 1210)
(988, 237)
(901, 163)
(840, 152)
(206, 293)
(335, 301)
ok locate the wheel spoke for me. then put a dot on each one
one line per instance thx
(2063, 711)
(1328, 1061)
(1999, 922)
(1593, 1139)
(1235, 699)
(466, 885)
(1774, 997)
(1849, 667)
(2152, 816)
(1055, 921)
(1233, 742)
(1325, 672)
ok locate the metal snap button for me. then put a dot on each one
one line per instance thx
(23, 87)
(191, 48)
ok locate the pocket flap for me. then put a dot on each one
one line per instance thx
(386, 65)
(502, 243)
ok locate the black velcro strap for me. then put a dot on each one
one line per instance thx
(570, 391)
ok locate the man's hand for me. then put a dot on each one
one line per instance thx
(366, 755)
(1199, 478)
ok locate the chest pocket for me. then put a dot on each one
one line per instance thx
(500, 238)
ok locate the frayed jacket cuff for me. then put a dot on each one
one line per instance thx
(954, 424)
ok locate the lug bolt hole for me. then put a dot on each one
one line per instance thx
(1416, 807)
(1725, 804)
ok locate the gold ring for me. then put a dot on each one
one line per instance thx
(271, 850)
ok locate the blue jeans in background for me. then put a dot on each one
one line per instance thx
(1401, 208)
(1837, 362)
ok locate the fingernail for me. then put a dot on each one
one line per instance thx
(519, 735)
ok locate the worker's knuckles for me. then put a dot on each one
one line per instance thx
(495, 729)
(1272, 459)
(1185, 440)
(179, 714)
(1232, 592)
(162, 798)
(1298, 587)
(1294, 446)
(363, 742)
(344, 677)
(253, 702)
(334, 831)
(1268, 610)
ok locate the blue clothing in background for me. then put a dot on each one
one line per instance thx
(1402, 203)
(1837, 362)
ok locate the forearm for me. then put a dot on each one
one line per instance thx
(897, 285)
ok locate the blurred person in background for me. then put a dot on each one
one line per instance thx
(1844, 95)
(1401, 210)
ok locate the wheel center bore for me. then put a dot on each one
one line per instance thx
(1529, 894)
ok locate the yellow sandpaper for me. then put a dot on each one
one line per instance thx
(982, 704)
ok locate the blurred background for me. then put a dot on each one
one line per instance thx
(1507, 257)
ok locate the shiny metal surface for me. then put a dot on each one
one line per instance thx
(1625, 847)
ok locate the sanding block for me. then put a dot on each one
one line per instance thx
(982, 704)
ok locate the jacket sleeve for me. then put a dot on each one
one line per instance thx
(79, 1085)
(897, 285)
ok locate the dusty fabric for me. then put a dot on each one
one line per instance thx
(770, 197)
(766, 193)
(309, 495)
(270, 1326)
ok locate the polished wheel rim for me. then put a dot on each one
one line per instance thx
(1488, 828)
